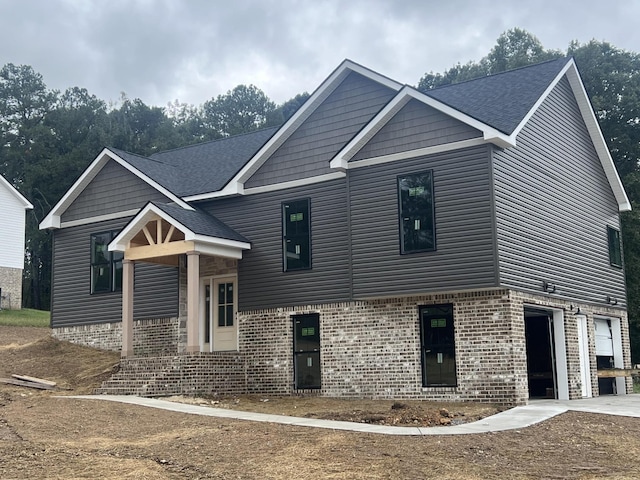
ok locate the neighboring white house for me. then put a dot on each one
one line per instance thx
(12, 225)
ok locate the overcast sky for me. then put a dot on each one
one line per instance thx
(193, 50)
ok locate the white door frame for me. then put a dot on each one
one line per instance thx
(560, 350)
(618, 356)
(585, 358)
(208, 344)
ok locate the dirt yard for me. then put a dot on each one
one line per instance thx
(42, 436)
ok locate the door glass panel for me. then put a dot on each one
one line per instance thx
(438, 346)
(306, 350)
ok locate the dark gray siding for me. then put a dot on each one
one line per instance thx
(553, 205)
(262, 283)
(156, 287)
(308, 151)
(415, 126)
(465, 255)
(114, 189)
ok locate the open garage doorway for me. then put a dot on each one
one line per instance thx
(546, 354)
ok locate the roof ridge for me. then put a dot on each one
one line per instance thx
(215, 140)
(491, 75)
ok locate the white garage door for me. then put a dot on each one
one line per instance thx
(604, 339)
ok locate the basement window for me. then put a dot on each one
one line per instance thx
(106, 266)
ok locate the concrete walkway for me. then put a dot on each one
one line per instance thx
(515, 418)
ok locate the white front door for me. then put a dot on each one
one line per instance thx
(219, 328)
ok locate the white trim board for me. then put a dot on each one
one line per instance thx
(207, 244)
(100, 218)
(420, 152)
(295, 183)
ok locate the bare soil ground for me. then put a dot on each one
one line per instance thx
(44, 436)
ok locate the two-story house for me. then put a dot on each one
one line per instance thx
(458, 244)
(12, 228)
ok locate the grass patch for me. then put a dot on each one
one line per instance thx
(636, 384)
(25, 318)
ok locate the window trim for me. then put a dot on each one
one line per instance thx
(403, 250)
(617, 261)
(285, 266)
(111, 264)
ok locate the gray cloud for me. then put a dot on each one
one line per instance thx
(162, 50)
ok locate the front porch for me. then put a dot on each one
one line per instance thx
(206, 252)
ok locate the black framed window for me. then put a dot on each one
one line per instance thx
(416, 212)
(615, 251)
(106, 266)
(296, 232)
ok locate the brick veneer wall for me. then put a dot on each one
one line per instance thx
(11, 285)
(372, 348)
(369, 349)
(181, 374)
(151, 337)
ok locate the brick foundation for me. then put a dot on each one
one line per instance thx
(369, 349)
(11, 286)
(151, 337)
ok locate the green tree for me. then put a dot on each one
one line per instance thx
(241, 110)
(514, 48)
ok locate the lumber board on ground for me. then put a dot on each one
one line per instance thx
(27, 378)
(618, 372)
(22, 383)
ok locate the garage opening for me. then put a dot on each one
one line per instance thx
(541, 363)
(608, 336)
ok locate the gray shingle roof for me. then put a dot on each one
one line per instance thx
(502, 100)
(200, 222)
(207, 167)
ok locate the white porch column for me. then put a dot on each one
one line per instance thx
(128, 268)
(193, 290)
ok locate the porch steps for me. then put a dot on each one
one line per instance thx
(184, 374)
(146, 377)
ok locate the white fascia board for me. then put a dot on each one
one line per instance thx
(217, 241)
(230, 190)
(490, 134)
(151, 212)
(235, 185)
(600, 144)
(21, 198)
(148, 213)
(52, 220)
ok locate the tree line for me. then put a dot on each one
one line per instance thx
(48, 137)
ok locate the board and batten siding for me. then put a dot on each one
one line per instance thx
(156, 287)
(12, 221)
(114, 189)
(261, 280)
(308, 151)
(553, 205)
(416, 126)
(465, 254)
